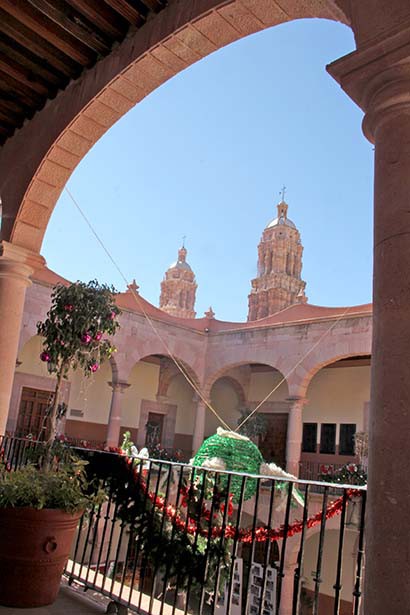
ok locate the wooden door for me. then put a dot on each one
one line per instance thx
(273, 444)
(32, 412)
(154, 429)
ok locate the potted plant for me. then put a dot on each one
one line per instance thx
(41, 502)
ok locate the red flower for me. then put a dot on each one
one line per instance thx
(86, 338)
(352, 467)
(98, 336)
(94, 367)
(45, 357)
(68, 307)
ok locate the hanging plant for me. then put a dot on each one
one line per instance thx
(80, 317)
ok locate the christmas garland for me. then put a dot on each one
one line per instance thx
(260, 534)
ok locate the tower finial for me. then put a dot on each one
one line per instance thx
(282, 194)
(183, 241)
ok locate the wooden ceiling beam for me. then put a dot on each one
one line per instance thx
(153, 5)
(30, 98)
(73, 23)
(41, 48)
(27, 15)
(11, 119)
(25, 58)
(23, 76)
(128, 12)
(107, 20)
(11, 105)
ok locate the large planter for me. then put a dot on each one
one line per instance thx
(34, 548)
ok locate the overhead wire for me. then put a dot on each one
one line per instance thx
(146, 315)
(178, 364)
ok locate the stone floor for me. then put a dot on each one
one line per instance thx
(69, 602)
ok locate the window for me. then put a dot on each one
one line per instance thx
(346, 440)
(328, 438)
(309, 437)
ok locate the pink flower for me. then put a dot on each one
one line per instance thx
(98, 336)
(86, 338)
(94, 367)
(68, 307)
(112, 316)
(45, 357)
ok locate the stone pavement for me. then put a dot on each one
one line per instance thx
(69, 602)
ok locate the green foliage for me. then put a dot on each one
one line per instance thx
(80, 315)
(349, 474)
(63, 486)
(181, 557)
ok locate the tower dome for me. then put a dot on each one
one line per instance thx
(178, 288)
(278, 283)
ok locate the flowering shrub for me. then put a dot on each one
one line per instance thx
(79, 318)
(349, 474)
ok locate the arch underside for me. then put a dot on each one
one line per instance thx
(38, 160)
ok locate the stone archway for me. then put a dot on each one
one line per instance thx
(37, 162)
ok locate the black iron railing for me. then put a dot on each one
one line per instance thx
(173, 539)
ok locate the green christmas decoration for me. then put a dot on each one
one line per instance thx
(230, 451)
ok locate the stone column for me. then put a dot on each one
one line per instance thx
(114, 421)
(16, 266)
(288, 581)
(382, 89)
(199, 427)
(294, 435)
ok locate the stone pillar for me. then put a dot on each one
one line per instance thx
(382, 89)
(16, 266)
(114, 421)
(294, 434)
(286, 598)
(199, 427)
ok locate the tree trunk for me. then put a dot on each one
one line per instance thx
(52, 418)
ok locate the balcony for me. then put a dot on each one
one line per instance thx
(170, 539)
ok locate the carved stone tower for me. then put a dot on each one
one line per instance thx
(178, 288)
(278, 283)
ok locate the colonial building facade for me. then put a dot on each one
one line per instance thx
(314, 360)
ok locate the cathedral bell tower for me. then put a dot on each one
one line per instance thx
(178, 288)
(278, 283)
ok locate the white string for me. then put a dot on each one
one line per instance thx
(284, 378)
(170, 353)
(140, 305)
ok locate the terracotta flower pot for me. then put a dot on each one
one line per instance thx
(34, 548)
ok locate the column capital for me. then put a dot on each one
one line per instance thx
(197, 399)
(119, 387)
(377, 79)
(9, 251)
(297, 400)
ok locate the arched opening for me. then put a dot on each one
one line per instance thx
(237, 391)
(158, 407)
(329, 571)
(337, 408)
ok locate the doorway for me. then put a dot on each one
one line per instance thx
(32, 412)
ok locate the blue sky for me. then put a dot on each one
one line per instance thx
(206, 155)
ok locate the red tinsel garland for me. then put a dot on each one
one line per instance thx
(260, 534)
